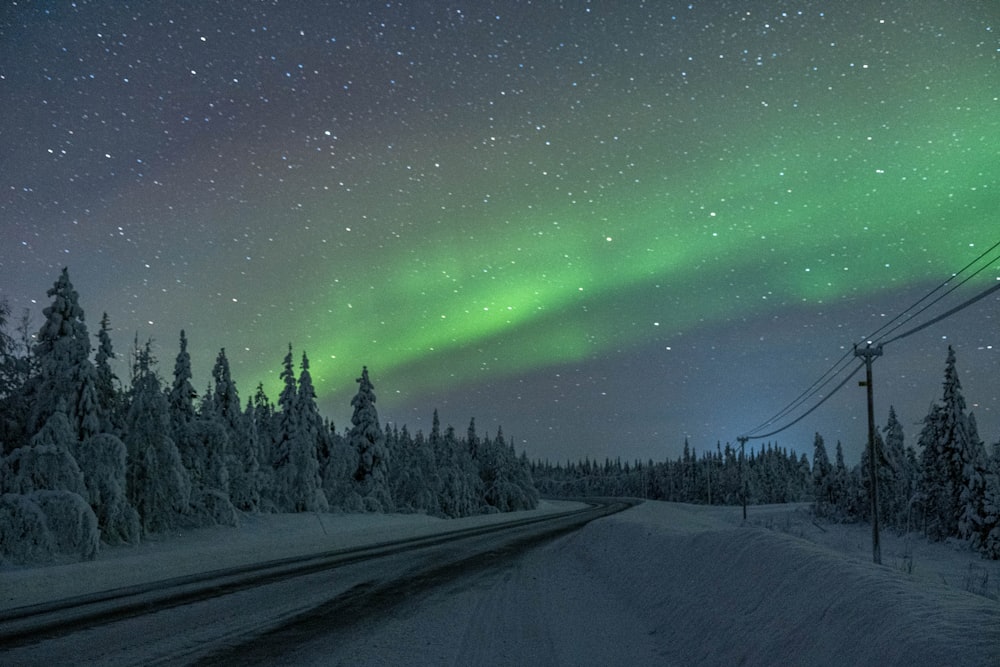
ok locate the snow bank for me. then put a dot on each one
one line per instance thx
(258, 538)
(718, 593)
(42, 525)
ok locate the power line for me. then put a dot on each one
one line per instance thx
(806, 394)
(871, 337)
(839, 366)
(810, 410)
(946, 314)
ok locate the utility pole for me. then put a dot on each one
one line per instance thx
(743, 480)
(869, 354)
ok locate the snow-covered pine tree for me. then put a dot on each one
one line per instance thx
(47, 463)
(66, 376)
(953, 462)
(284, 435)
(182, 395)
(105, 474)
(241, 452)
(248, 496)
(899, 486)
(990, 530)
(15, 373)
(973, 519)
(822, 478)
(45, 475)
(109, 395)
(841, 490)
(366, 438)
(262, 413)
(158, 484)
(305, 446)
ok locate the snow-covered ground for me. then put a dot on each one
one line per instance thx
(661, 583)
(258, 538)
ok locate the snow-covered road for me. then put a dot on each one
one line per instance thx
(659, 584)
(667, 584)
(242, 614)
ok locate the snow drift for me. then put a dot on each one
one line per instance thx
(726, 594)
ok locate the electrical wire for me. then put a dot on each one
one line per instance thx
(887, 325)
(810, 410)
(806, 394)
(834, 371)
(944, 315)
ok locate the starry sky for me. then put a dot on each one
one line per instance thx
(605, 226)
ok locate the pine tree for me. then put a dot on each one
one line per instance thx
(898, 488)
(262, 413)
(366, 438)
(285, 433)
(182, 392)
(109, 397)
(990, 529)
(45, 474)
(158, 484)
(822, 482)
(241, 452)
(953, 460)
(841, 483)
(16, 367)
(66, 376)
(105, 474)
(305, 445)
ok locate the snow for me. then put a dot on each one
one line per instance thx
(258, 538)
(662, 583)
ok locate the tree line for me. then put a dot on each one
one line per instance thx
(86, 459)
(724, 476)
(947, 486)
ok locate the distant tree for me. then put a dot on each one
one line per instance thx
(822, 478)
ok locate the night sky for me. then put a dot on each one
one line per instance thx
(605, 226)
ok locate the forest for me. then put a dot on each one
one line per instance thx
(947, 486)
(87, 459)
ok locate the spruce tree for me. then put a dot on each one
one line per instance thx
(284, 435)
(66, 376)
(822, 473)
(953, 459)
(109, 396)
(990, 529)
(368, 441)
(305, 445)
(898, 488)
(158, 484)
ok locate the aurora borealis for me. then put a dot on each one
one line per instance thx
(605, 226)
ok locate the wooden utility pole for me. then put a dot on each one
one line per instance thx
(869, 354)
(743, 479)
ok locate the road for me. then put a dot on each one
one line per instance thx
(262, 613)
